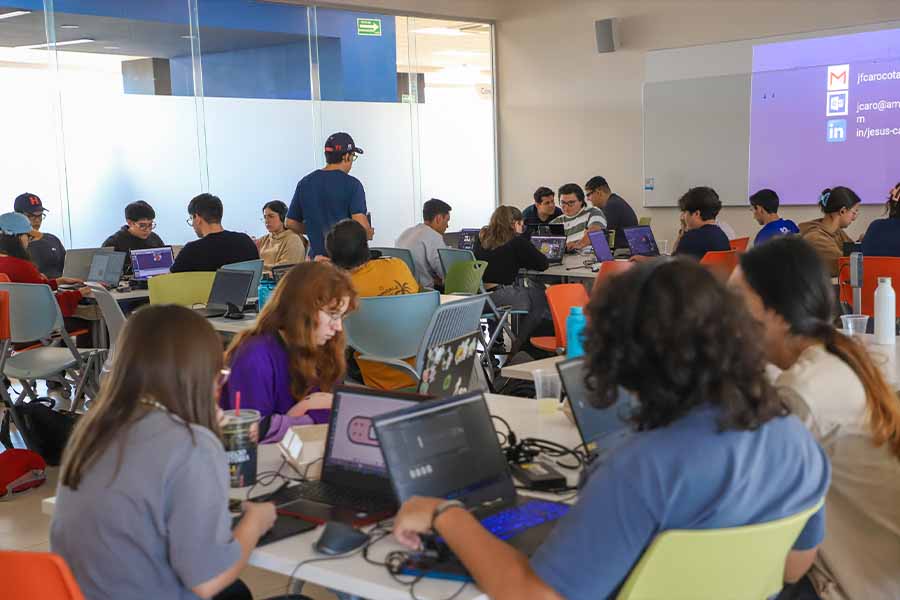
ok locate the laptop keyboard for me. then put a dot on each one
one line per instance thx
(510, 522)
(319, 491)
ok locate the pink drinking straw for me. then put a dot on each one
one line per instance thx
(237, 403)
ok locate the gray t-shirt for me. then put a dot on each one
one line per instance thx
(423, 242)
(160, 527)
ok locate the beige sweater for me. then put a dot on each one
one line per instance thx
(285, 248)
(830, 246)
(860, 556)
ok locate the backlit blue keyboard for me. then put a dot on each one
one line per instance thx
(510, 522)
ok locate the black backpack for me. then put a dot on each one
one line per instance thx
(45, 431)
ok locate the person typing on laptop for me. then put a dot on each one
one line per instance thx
(714, 447)
(137, 233)
(286, 365)
(578, 217)
(217, 246)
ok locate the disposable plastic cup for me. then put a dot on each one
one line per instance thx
(239, 447)
(547, 389)
(663, 246)
(855, 324)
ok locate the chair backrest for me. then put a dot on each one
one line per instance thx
(740, 244)
(391, 326)
(449, 322)
(255, 266)
(33, 311)
(186, 289)
(31, 575)
(561, 299)
(737, 563)
(873, 268)
(464, 277)
(4, 278)
(610, 268)
(4, 316)
(451, 256)
(644, 221)
(721, 262)
(403, 254)
(112, 314)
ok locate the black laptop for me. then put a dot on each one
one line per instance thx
(467, 239)
(546, 229)
(448, 367)
(600, 429)
(354, 487)
(552, 247)
(229, 293)
(449, 449)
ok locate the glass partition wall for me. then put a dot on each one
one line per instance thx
(112, 101)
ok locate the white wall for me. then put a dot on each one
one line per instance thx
(567, 113)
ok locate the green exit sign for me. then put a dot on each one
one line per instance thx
(368, 27)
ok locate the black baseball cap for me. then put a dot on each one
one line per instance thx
(341, 143)
(28, 204)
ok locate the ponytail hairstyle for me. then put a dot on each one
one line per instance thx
(892, 207)
(832, 200)
(791, 280)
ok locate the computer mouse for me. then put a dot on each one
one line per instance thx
(340, 538)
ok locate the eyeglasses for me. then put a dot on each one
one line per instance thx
(36, 216)
(353, 156)
(334, 316)
(570, 202)
(146, 226)
(190, 220)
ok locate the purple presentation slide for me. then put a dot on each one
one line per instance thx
(826, 112)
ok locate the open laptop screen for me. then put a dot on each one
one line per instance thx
(600, 245)
(641, 241)
(552, 247)
(595, 425)
(106, 267)
(230, 287)
(151, 262)
(467, 239)
(446, 449)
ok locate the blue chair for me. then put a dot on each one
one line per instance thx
(390, 327)
(256, 266)
(402, 253)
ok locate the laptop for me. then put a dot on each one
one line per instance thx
(107, 268)
(600, 244)
(546, 229)
(151, 262)
(553, 247)
(641, 241)
(355, 487)
(451, 239)
(448, 367)
(449, 449)
(600, 429)
(229, 293)
(78, 261)
(467, 239)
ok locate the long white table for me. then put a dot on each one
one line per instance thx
(353, 574)
(572, 267)
(233, 326)
(525, 371)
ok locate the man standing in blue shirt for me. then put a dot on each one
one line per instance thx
(764, 204)
(329, 195)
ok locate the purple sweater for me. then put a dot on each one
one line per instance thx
(260, 372)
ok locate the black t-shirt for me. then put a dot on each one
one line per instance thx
(123, 241)
(531, 217)
(698, 242)
(619, 215)
(505, 261)
(210, 253)
(49, 255)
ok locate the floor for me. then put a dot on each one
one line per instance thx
(24, 527)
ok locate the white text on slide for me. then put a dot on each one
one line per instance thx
(880, 106)
(871, 132)
(873, 77)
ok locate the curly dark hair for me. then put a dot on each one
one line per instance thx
(669, 331)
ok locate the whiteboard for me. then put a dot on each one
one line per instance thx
(697, 132)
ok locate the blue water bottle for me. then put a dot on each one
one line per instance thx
(266, 286)
(575, 324)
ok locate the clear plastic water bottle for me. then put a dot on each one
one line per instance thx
(885, 313)
(575, 324)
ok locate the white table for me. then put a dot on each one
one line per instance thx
(353, 574)
(572, 267)
(233, 326)
(525, 371)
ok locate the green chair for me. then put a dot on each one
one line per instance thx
(185, 289)
(464, 277)
(738, 563)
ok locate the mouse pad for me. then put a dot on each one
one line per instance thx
(284, 527)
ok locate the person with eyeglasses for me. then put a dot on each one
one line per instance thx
(47, 252)
(329, 195)
(578, 217)
(618, 213)
(280, 246)
(840, 207)
(216, 247)
(137, 233)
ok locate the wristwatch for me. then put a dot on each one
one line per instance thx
(444, 507)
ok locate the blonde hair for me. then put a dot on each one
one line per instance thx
(501, 228)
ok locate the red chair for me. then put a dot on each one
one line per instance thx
(33, 575)
(873, 268)
(740, 244)
(721, 262)
(609, 269)
(561, 299)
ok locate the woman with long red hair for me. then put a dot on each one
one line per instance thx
(288, 363)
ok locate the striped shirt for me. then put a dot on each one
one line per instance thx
(576, 226)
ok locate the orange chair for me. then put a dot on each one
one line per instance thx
(561, 299)
(721, 262)
(609, 269)
(873, 268)
(31, 575)
(740, 244)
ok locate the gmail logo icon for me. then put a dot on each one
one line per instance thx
(838, 78)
